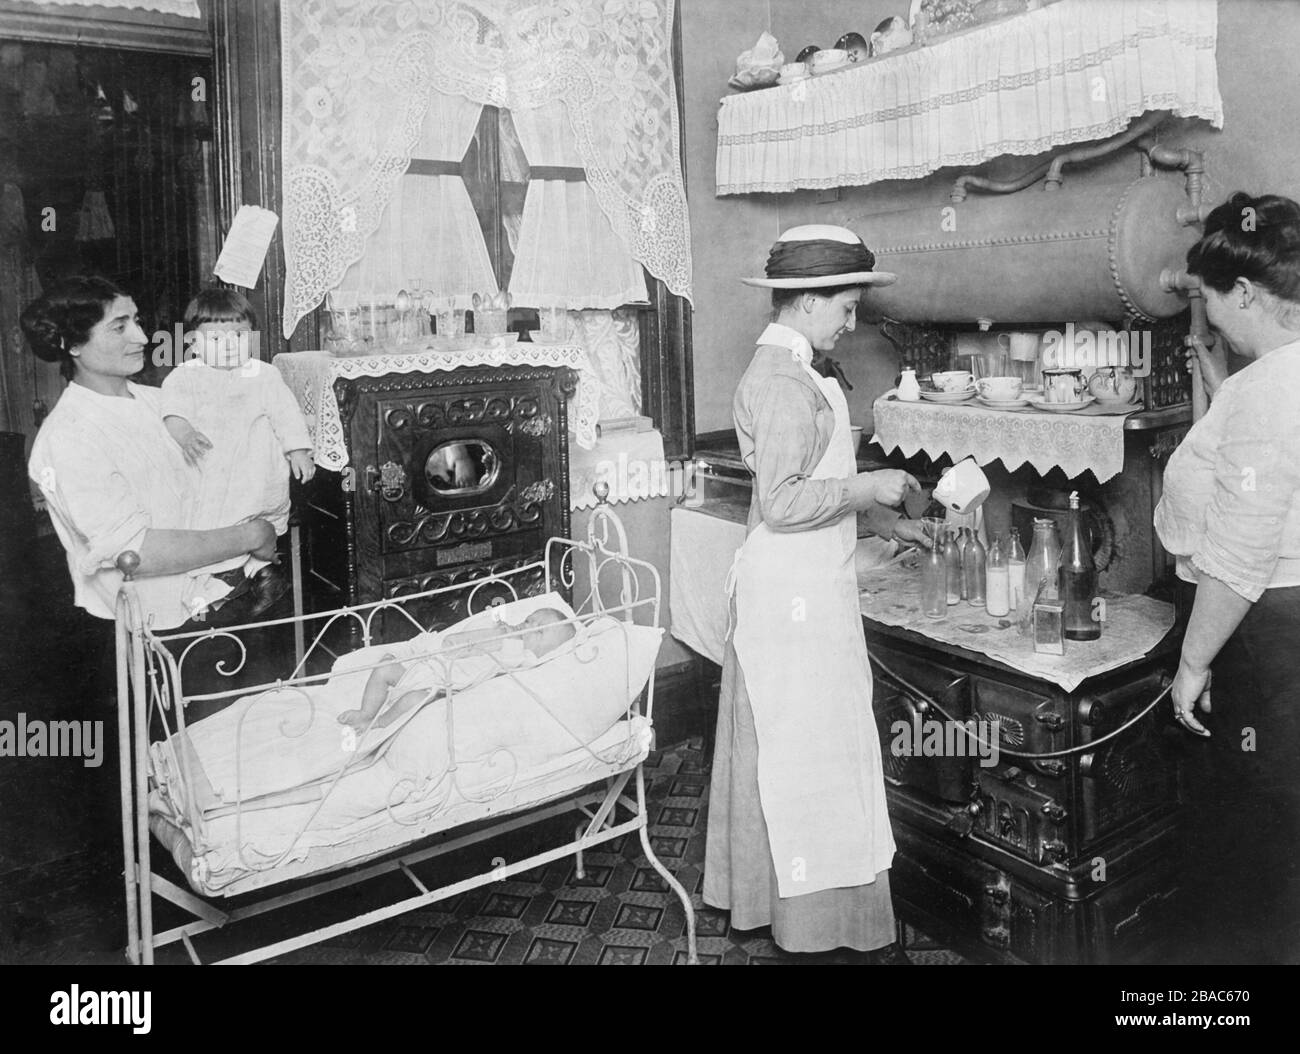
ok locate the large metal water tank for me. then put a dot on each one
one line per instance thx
(1092, 252)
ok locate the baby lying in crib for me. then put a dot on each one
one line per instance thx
(463, 660)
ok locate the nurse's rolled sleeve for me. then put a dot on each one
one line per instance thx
(784, 427)
(1256, 478)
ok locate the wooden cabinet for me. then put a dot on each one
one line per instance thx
(452, 475)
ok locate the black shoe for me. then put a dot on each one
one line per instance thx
(236, 580)
(267, 587)
(889, 955)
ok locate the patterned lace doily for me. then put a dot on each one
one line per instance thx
(310, 375)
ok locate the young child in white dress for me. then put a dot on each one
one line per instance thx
(236, 420)
(463, 660)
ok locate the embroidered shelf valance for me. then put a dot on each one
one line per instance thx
(1071, 72)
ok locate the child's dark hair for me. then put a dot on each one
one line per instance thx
(219, 304)
(63, 317)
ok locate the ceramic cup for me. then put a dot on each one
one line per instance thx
(1063, 385)
(952, 380)
(963, 487)
(1113, 384)
(1000, 389)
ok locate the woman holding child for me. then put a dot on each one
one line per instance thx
(118, 476)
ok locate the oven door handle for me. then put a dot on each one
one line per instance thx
(389, 481)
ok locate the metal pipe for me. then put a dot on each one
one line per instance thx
(1053, 165)
(1192, 163)
(1139, 128)
(1007, 186)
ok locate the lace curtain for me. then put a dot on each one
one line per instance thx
(567, 254)
(359, 78)
(429, 231)
(612, 340)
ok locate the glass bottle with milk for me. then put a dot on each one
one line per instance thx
(1015, 570)
(997, 587)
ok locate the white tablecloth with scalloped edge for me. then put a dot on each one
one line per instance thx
(631, 463)
(310, 375)
(1074, 442)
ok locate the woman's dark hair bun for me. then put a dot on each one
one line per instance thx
(63, 317)
(42, 333)
(1250, 237)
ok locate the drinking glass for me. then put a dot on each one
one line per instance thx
(934, 527)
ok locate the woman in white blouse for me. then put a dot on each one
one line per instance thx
(111, 475)
(1230, 514)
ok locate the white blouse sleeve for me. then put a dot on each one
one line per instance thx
(1256, 481)
(95, 500)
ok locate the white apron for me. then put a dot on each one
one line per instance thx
(798, 638)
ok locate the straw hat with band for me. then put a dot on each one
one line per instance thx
(819, 256)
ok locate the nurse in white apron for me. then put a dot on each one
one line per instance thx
(798, 833)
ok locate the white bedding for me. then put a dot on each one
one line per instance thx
(278, 770)
(248, 850)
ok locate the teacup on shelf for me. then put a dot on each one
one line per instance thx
(1112, 385)
(952, 380)
(1000, 389)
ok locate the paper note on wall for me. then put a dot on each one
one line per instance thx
(250, 237)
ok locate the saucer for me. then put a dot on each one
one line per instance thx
(950, 397)
(1004, 404)
(1117, 407)
(1064, 408)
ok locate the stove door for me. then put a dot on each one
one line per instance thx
(454, 470)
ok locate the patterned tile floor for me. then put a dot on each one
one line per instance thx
(619, 913)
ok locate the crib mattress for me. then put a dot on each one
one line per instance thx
(243, 852)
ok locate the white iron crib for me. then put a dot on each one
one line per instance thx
(160, 784)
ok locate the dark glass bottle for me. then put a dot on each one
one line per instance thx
(1078, 579)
